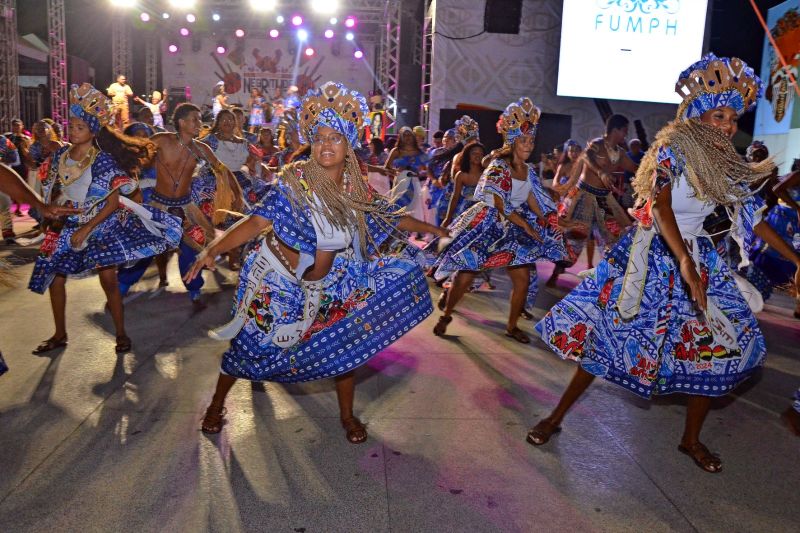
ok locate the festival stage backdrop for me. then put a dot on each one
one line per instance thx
(493, 69)
(643, 42)
(268, 64)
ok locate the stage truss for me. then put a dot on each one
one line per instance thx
(121, 57)
(57, 41)
(9, 64)
(426, 61)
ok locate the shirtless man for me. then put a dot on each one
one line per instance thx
(187, 171)
(590, 209)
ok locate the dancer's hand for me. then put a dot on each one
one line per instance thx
(442, 232)
(204, 260)
(532, 233)
(79, 237)
(58, 211)
(697, 289)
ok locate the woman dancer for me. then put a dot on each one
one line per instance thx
(408, 156)
(513, 225)
(326, 287)
(465, 182)
(439, 166)
(256, 105)
(661, 313)
(567, 172)
(94, 175)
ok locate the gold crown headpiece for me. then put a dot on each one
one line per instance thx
(90, 105)
(717, 82)
(519, 118)
(335, 106)
(467, 128)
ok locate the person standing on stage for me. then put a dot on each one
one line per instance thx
(661, 313)
(156, 106)
(321, 293)
(513, 225)
(120, 93)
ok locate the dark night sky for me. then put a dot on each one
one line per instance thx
(735, 31)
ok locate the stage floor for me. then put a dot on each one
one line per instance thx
(95, 442)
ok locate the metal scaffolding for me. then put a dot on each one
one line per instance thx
(57, 40)
(9, 64)
(121, 58)
(389, 55)
(427, 62)
(151, 65)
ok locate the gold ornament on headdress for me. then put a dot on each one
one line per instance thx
(718, 77)
(92, 102)
(348, 105)
(516, 115)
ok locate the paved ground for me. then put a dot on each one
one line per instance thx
(95, 442)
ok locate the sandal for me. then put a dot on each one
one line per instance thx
(214, 420)
(527, 315)
(541, 432)
(356, 432)
(442, 302)
(518, 335)
(49, 345)
(441, 326)
(702, 457)
(123, 344)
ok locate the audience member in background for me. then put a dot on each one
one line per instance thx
(156, 106)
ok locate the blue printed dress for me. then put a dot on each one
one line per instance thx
(482, 239)
(632, 321)
(366, 303)
(130, 233)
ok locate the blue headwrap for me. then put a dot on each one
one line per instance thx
(89, 105)
(701, 88)
(337, 107)
(136, 127)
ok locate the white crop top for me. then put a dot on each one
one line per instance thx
(329, 237)
(519, 192)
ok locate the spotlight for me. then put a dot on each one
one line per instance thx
(349, 36)
(239, 33)
(309, 51)
(329, 34)
(358, 54)
(280, 19)
(274, 33)
(350, 22)
(215, 17)
(165, 16)
(325, 6)
(190, 18)
(333, 21)
(220, 49)
(302, 34)
(185, 32)
(297, 20)
(262, 5)
(144, 17)
(183, 4)
(173, 48)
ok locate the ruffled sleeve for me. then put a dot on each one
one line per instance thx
(745, 218)
(291, 227)
(668, 167)
(496, 180)
(544, 200)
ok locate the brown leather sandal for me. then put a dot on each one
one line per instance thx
(442, 301)
(518, 335)
(123, 344)
(441, 326)
(702, 457)
(49, 345)
(214, 420)
(355, 430)
(541, 432)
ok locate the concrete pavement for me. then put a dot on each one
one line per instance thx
(92, 441)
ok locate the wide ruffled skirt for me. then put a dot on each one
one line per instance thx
(481, 240)
(669, 346)
(364, 307)
(122, 238)
(769, 269)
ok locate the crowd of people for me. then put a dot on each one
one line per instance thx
(691, 237)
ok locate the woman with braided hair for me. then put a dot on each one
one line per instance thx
(330, 282)
(662, 313)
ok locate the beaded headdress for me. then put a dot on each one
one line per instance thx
(467, 128)
(717, 82)
(337, 107)
(90, 105)
(519, 118)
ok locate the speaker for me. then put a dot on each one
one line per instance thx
(174, 96)
(502, 16)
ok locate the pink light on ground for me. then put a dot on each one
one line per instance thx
(173, 48)
(239, 33)
(185, 32)
(358, 54)
(309, 51)
(329, 34)
(274, 33)
(350, 22)
(297, 20)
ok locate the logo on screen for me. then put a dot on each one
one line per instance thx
(647, 17)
